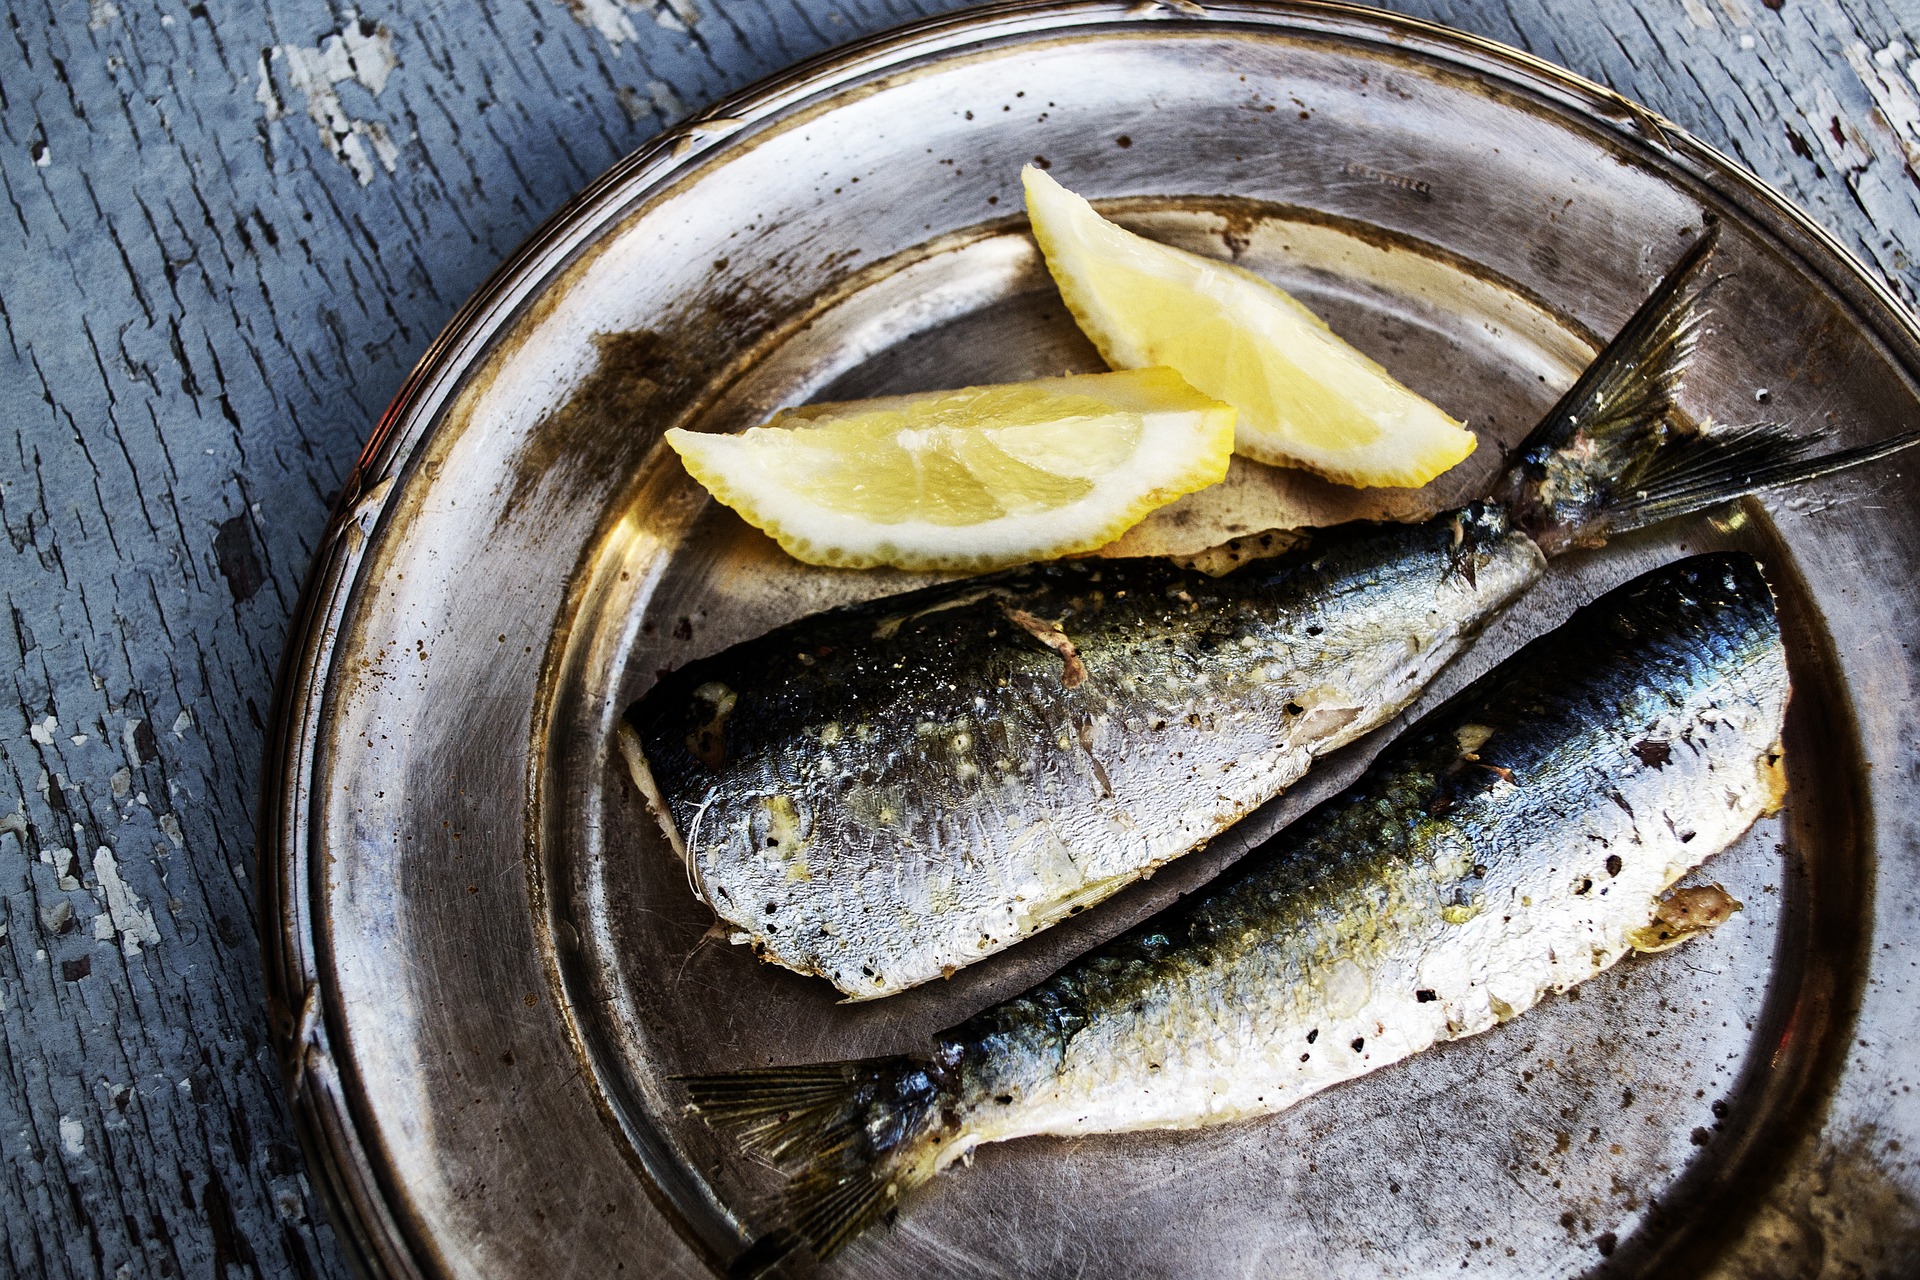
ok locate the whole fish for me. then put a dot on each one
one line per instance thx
(883, 793)
(1513, 843)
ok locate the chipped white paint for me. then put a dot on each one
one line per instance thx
(73, 1136)
(1898, 109)
(361, 51)
(170, 826)
(42, 731)
(100, 14)
(15, 824)
(78, 739)
(608, 17)
(1699, 15)
(675, 15)
(666, 103)
(385, 149)
(103, 928)
(264, 92)
(182, 723)
(64, 862)
(1835, 129)
(614, 21)
(134, 921)
(56, 916)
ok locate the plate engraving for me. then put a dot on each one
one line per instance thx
(1418, 187)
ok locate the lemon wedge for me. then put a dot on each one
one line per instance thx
(1306, 398)
(968, 479)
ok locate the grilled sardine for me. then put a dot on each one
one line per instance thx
(1511, 844)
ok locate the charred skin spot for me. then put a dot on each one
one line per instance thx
(1654, 753)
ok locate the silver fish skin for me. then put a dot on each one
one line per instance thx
(1513, 843)
(887, 792)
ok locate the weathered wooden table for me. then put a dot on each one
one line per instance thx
(228, 233)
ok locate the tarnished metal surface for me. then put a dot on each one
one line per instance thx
(490, 961)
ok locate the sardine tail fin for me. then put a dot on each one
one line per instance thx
(1617, 415)
(1712, 467)
(1612, 454)
(1627, 391)
(853, 1136)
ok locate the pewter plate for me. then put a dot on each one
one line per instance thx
(485, 965)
